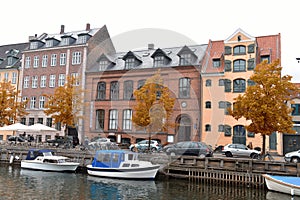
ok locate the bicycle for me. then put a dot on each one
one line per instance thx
(266, 155)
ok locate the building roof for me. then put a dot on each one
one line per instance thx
(11, 50)
(146, 57)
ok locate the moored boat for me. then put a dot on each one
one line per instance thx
(284, 184)
(121, 164)
(45, 160)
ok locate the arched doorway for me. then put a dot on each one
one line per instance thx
(183, 130)
(239, 135)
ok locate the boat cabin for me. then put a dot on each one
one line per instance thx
(114, 158)
(34, 153)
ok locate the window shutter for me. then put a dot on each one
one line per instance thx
(227, 65)
(251, 64)
(228, 50)
(251, 48)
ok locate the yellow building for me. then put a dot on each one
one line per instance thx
(225, 72)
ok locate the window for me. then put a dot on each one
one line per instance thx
(251, 48)
(27, 62)
(52, 80)
(82, 39)
(184, 87)
(239, 50)
(221, 128)
(250, 82)
(31, 121)
(14, 78)
(53, 60)
(76, 58)
(128, 90)
(102, 65)
(65, 41)
(207, 104)
(34, 82)
(239, 66)
(227, 130)
(100, 114)
(208, 83)
(32, 102)
(228, 50)
(43, 81)
(23, 120)
(49, 43)
(61, 80)
(227, 65)
(250, 134)
(141, 83)
(216, 62)
(159, 61)
(101, 91)
(129, 63)
(42, 103)
(114, 90)
(251, 64)
(227, 86)
(113, 120)
(267, 58)
(208, 127)
(26, 82)
(76, 77)
(239, 85)
(33, 45)
(295, 109)
(127, 116)
(35, 61)
(62, 59)
(49, 122)
(221, 82)
(44, 61)
(6, 75)
(185, 59)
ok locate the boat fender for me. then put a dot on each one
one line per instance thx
(11, 159)
(292, 192)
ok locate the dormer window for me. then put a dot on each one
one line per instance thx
(185, 59)
(82, 39)
(216, 63)
(129, 63)
(103, 65)
(159, 61)
(10, 61)
(34, 45)
(49, 43)
(65, 41)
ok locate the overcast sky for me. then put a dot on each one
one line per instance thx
(133, 24)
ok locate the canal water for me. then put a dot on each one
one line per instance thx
(16, 183)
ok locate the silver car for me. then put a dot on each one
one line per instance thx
(240, 150)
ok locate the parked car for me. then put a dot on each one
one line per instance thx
(241, 150)
(61, 141)
(13, 138)
(99, 141)
(293, 156)
(193, 148)
(144, 144)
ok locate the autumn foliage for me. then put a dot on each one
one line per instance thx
(264, 103)
(154, 105)
(65, 104)
(11, 108)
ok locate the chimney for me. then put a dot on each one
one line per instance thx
(62, 29)
(88, 27)
(150, 46)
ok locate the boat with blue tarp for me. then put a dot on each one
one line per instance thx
(121, 164)
(284, 184)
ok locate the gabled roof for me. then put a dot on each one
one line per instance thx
(159, 51)
(131, 54)
(14, 50)
(214, 50)
(239, 34)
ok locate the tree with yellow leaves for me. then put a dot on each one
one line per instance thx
(154, 106)
(65, 105)
(10, 107)
(264, 103)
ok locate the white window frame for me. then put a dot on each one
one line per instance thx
(53, 60)
(35, 61)
(52, 80)
(43, 81)
(62, 59)
(34, 82)
(76, 58)
(75, 76)
(113, 119)
(127, 119)
(61, 80)
(26, 82)
(6, 76)
(14, 78)
(45, 61)
(32, 102)
(41, 102)
(27, 62)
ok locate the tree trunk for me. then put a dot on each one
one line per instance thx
(263, 150)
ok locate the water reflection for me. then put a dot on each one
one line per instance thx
(16, 183)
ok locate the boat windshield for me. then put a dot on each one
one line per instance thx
(47, 153)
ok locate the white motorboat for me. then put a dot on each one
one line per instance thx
(285, 184)
(121, 164)
(45, 160)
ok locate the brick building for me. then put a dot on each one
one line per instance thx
(47, 62)
(111, 82)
